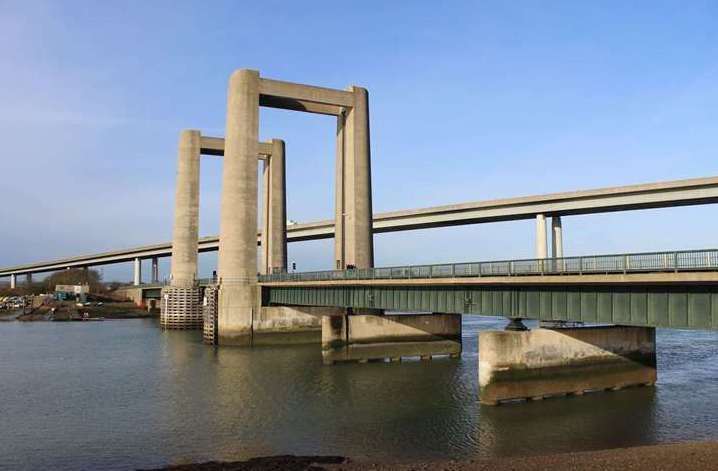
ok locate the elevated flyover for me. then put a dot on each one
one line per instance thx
(664, 289)
(623, 198)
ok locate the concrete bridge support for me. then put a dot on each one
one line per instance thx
(180, 306)
(237, 296)
(238, 213)
(368, 337)
(545, 362)
(13, 281)
(541, 242)
(556, 237)
(353, 236)
(155, 270)
(137, 271)
(28, 279)
(274, 224)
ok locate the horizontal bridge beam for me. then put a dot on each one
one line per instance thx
(680, 307)
(305, 93)
(215, 146)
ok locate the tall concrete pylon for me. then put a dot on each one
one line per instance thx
(238, 216)
(353, 217)
(274, 224)
(185, 234)
(180, 306)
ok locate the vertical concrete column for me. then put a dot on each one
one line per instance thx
(238, 212)
(155, 270)
(185, 234)
(339, 194)
(28, 279)
(13, 281)
(556, 237)
(541, 242)
(264, 239)
(277, 228)
(137, 277)
(354, 243)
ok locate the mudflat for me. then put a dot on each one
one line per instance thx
(670, 457)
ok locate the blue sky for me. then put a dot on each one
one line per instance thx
(469, 101)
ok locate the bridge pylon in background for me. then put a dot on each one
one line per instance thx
(237, 298)
(181, 306)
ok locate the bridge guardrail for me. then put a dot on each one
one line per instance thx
(675, 261)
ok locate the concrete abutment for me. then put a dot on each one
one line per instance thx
(550, 362)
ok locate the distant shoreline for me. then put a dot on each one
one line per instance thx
(673, 457)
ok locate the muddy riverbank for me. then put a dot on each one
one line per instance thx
(670, 457)
(70, 311)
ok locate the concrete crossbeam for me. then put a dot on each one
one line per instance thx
(215, 146)
(307, 93)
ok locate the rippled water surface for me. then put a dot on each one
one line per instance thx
(124, 394)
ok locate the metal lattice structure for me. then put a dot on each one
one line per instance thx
(680, 307)
(209, 314)
(180, 308)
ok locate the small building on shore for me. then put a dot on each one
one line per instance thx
(76, 292)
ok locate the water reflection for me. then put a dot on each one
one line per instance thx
(124, 394)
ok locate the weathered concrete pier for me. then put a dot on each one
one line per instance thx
(551, 362)
(370, 337)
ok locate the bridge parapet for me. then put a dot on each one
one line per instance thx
(674, 261)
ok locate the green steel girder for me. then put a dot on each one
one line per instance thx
(680, 307)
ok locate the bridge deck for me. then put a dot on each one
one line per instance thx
(670, 289)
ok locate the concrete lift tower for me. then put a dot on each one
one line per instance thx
(181, 306)
(237, 297)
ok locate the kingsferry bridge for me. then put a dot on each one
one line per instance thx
(677, 289)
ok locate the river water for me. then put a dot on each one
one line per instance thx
(124, 394)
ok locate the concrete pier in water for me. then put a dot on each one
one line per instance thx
(549, 362)
(368, 337)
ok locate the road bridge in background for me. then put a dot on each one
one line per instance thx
(623, 198)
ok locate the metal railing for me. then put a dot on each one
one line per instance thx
(685, 260)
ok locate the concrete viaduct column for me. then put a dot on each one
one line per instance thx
(28, 279)
(556, 237)
(13, 281)
(274, 229)
(237, 261)
(541, 242)
(155, 270)
(180, 307)
(137, 276)
(353, 218)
